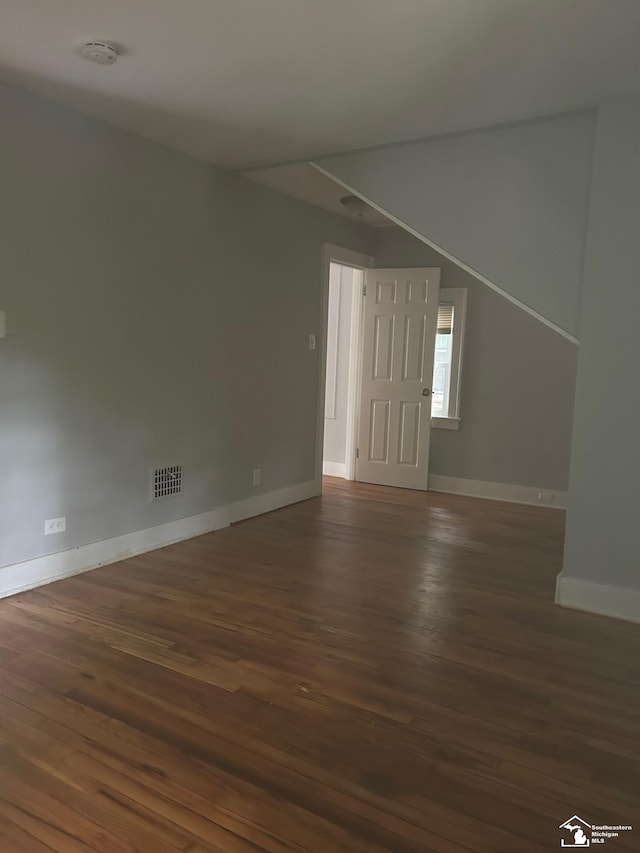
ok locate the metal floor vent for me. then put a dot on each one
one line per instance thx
(167, 482)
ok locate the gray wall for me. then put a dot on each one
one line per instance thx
(335, 429)
(158, 312)
(517, 389)
(522, 188)
(604, 509)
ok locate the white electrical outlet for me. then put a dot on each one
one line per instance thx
(312, 341)
(546, 497)
(257, 476)
(55, 525)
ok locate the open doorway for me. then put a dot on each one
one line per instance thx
(342, 370)
(343, 273)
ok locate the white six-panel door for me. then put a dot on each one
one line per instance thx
(399, 333)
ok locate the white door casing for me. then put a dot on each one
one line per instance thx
(346, 257)
(399, 332)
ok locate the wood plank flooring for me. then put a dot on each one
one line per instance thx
(373, 670)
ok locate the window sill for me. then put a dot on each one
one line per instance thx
(445, 423)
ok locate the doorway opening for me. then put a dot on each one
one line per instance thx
(344, 314)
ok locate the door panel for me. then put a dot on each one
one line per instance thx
(413, 348)
(409, 433)
(399, 331)
(379, 431)
(383, 347)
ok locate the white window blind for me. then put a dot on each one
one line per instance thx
(445, 319)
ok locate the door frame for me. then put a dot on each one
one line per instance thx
(358, 260)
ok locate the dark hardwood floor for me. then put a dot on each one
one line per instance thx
(375, 670)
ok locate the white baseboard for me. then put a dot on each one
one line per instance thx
(334, 469)
(52, 567)
(616, 601)
(497, 491)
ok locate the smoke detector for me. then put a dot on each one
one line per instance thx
(99, 51)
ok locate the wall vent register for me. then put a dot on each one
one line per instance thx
(167, 482)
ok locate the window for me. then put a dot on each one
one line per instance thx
(447, 363)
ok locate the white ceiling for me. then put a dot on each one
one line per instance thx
(242, 82)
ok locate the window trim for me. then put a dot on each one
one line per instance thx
(445, 423)
(457, 296)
